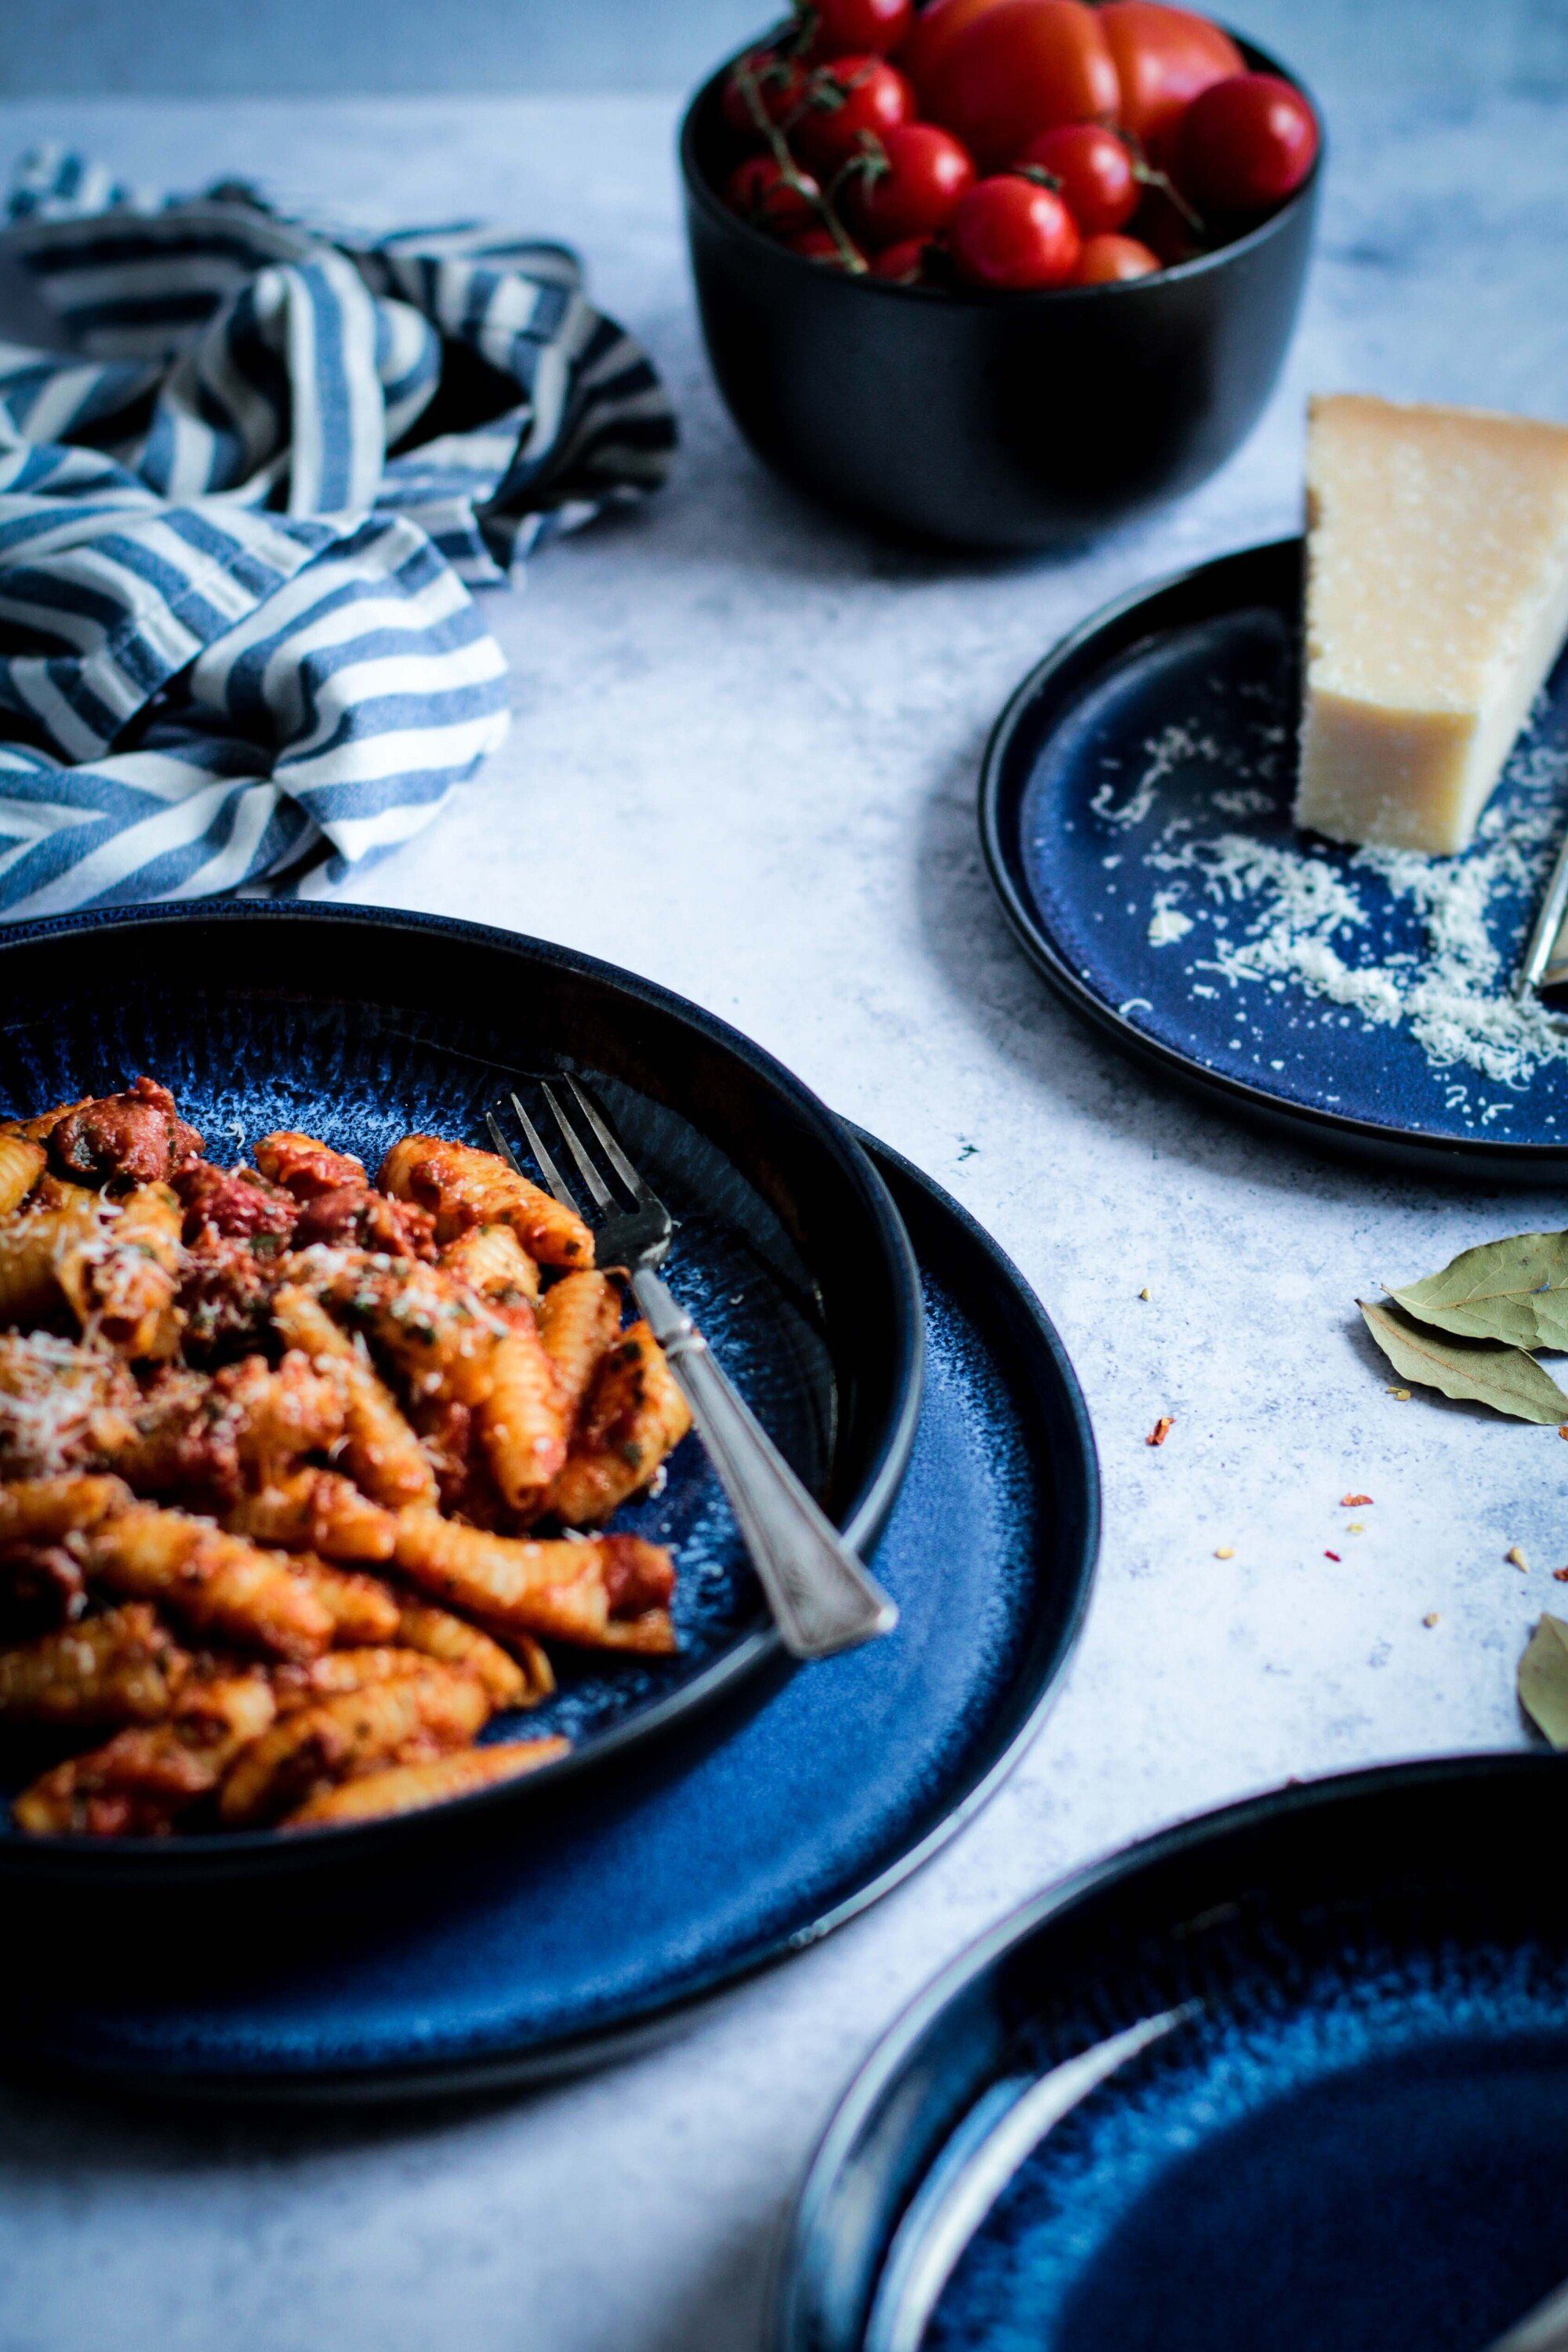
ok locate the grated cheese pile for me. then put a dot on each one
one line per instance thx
(1307, 912)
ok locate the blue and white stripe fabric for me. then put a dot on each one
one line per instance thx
(241, 511)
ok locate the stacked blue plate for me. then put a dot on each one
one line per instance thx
(721, 1810)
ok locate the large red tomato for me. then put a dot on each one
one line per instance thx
(1163, 58)
(925, 46)
(1017, 68)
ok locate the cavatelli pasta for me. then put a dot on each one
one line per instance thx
(579, 1318)
(492, 1260)
(380, 1450)
(634, 1417)
(22, 1162)
(464, 1187)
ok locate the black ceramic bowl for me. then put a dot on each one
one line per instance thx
(991, 420)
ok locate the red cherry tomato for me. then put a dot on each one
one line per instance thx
(761, 193)
(1163, 58)
(849, 28)
(1021, 67)
(904, 263)
(913, 196)
(925, 49)
(1106, 261)
(1011, 232)
(1245, 144)
(843, 102)
(1099, 185)
(779, 84)
(821, 244)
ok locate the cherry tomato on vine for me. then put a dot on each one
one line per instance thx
(845, 101)
(763, 193)
(1245, 144)
(1108, 260)
(1163, 58)
(1020, 67)
(912, 188)
(904, 263)
(1012, 232)
(779, 84)
(844, 29)
(1098, 182)
(821, 244)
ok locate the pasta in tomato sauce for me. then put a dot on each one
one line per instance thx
(302, 1475)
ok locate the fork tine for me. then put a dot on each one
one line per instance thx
(543, 1161)
(498, 1137)
(613, 1153)
(603, 1196)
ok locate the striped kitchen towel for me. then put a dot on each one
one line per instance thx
(241, 511)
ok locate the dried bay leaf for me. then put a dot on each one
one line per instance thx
(1477, 1371)
(1543, 1680)
(1515, 1290)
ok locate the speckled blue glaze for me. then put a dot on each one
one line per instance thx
(1355, 2156)
(1069, 834)
(1341, 2134)
(626, 1901)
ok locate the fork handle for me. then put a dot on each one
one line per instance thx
(822, 1598)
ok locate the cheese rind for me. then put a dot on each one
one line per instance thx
(1436, 601)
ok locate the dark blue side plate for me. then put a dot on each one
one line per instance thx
(1150, 764)
(360, 1026)
(735, 1844)
(1347, 2137)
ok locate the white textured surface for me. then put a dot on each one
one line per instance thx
(744, 761)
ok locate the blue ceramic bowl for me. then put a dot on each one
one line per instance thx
(362, 1025)
(989, 420)
(1331, 2032)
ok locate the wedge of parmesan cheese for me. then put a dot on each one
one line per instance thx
(1437, 602)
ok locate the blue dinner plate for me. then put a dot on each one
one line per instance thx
(360, 1026)
(739, 1841)
(1290, 2075)
(1135, 812)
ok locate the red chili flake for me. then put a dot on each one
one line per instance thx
(1562, 1429)
(1559, 1576)
(1330, 1555)
(1353, 1502)
(1161, 1431)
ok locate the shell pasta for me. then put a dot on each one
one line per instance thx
(303, 1473)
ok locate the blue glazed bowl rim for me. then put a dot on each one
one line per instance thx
(791, 2328)
(1450, 1156)
(861, 1521)
(702, 193)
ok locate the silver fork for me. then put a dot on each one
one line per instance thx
(822, 1598)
